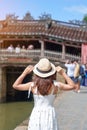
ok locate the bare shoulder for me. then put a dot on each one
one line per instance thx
(28, 85)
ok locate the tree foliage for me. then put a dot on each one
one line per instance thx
(28, 16)
(85, 18)
(45, 16)
(11, 17)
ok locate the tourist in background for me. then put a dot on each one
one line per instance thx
(23, 50)
(30, 47)
(85, 83)
(82, 73)
(77, 76)
(10, 48)
(72, 68)
(17, 49)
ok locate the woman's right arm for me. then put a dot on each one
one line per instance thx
(18, 83)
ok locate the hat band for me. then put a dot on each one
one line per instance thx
(44, 71)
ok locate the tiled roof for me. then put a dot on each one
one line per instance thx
(56, 30)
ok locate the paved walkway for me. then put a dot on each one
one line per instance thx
(71, 109)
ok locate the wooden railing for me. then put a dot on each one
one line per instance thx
(55, 56)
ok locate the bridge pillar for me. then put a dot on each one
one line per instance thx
(1, 43)
(42, 48)
(63, 51)
(84, 53)
(2, 85)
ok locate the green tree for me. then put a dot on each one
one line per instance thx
(85, 19)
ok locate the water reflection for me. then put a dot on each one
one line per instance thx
(12, 114)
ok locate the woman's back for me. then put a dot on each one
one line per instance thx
(40, 101)
(43, 116)
(43, 100)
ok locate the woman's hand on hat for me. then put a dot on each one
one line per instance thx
(59, 69)
(28, 69)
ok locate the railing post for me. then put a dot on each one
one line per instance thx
(42, 48)
(63, 51)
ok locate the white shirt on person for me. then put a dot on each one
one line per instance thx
(70, 69)
(10, 49)
(17, 50)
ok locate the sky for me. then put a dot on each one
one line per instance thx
(61, 10)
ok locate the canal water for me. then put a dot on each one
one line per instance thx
(13, 113)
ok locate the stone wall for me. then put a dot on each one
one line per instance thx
(2, 84)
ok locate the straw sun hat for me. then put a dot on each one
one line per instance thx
(44, 68)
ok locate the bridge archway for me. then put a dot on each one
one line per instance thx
(12, 74)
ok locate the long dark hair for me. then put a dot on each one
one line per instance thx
(43, 84)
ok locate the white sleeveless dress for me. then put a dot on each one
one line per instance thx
(43, 116)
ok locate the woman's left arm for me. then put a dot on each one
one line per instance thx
(70, 84)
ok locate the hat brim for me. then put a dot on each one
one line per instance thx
(44, 75)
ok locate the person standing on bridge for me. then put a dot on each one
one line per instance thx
(73, 68)
(70, 67)
(44, 87)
